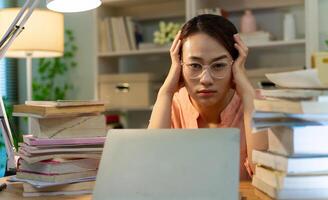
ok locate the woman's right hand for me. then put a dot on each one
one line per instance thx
(171, 83)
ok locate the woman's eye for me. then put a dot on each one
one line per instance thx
(195, 66)
(219, 66)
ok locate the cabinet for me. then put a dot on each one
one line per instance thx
(264, 57)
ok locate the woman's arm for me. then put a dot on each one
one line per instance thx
(161, 114)
(247, 93)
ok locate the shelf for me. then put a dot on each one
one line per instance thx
(141, 10)
(165, 50)
(278, 43)
(122, 3)
(241, 5)
(135, 52)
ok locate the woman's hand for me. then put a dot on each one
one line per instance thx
(242, 84)
(171, 83)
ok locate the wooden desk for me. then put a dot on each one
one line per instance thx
(14, 192)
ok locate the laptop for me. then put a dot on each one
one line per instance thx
(170, 164)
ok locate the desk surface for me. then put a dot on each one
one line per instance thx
(14, 192)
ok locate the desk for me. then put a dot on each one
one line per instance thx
(14, 192)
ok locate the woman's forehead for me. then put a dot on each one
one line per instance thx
(203, 46)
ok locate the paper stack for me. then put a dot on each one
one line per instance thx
(296, 163)
(62, 153)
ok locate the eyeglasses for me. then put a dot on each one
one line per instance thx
(218, 69)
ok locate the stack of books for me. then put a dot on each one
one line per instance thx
(295, 166)
(61, 154)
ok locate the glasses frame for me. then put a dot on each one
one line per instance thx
(206, 67)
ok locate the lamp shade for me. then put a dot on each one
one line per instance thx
(72, 5)
(43, 35)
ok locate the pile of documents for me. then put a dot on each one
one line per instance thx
(62, 153)
(295, 166)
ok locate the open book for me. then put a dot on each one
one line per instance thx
(309, 78)
(7, 136)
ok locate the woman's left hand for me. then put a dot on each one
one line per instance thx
(242, 84)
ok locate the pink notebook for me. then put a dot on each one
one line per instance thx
(30, 140)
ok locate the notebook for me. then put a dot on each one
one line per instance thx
(169, 164)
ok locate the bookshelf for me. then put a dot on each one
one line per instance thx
(264, 55)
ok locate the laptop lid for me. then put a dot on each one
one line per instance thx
(169, 164)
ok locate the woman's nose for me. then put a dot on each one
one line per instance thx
(206, 78)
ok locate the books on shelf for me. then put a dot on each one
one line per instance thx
(255, 37)
(117, 34)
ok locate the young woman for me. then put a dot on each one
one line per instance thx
(207, 86)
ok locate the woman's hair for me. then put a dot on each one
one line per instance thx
(215, 26)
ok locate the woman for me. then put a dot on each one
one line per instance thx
(207, 86)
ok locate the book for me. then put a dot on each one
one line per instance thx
(87, 185)
(69, 127)
(130, 29)
(289, 193)
(43, 111)
(292, 165)
(37, 158)
(42, 184)
(292, 107)
(55, 177)
(299, 140)
(293, 93)
(281, 180)
(33, 151)
(59, 165)
(33, 141)
(58, 193)
(108, 26)
(65, 103)
(308, 79)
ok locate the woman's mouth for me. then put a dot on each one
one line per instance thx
(206, 93)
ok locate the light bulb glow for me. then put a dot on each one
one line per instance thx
(72, 5)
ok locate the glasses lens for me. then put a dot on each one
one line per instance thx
(219, 69)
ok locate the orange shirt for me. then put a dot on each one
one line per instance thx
(184, 115)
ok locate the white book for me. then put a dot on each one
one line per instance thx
(298, 141)
(109, 34)
(69, 127)
(295, 165)
(308, 78)
(289, 193)
(291, 107)
(116, 34)
(293, 93)
(130, 30)
(281, 180)
(58, 193)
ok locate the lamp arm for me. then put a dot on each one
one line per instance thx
(15, 29)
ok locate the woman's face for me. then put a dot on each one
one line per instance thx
(206, 69)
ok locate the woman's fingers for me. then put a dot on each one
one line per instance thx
(240, 42)
(176, 39)
(177, 47)
(241, 51)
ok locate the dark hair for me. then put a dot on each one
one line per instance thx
(218, 27)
